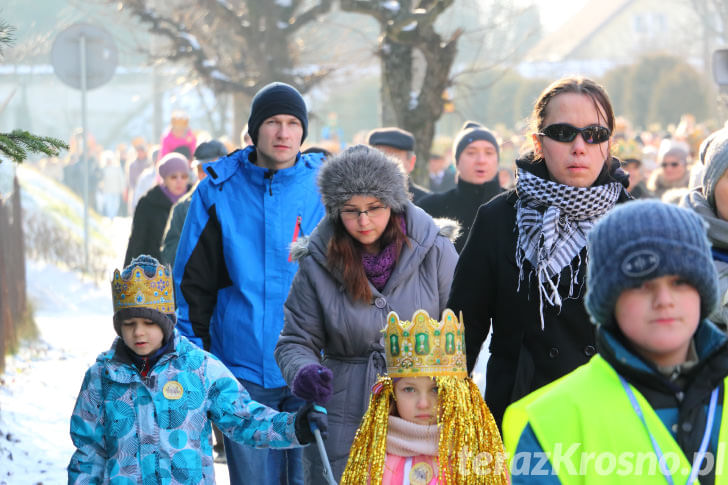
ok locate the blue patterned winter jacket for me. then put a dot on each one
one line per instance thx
(131, 429)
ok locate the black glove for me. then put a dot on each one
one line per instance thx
(308, 418)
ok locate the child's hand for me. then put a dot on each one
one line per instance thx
(308, 418)
(314, 382)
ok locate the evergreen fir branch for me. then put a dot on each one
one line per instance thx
(7, 35)
(19, 143)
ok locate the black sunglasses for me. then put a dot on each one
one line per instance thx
(565, 133)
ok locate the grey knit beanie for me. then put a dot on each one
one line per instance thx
(362, 170)
(643, 240)
(715, 161)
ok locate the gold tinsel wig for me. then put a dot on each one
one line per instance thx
(470, 446)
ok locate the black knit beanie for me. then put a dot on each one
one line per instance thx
(470, 132)
(276, 99)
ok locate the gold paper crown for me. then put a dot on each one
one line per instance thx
(424, 346)
(140, 290)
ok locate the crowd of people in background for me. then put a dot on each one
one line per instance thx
(661, 161)
(289, 256)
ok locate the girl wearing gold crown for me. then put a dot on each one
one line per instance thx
(373, 253)
(427, 423)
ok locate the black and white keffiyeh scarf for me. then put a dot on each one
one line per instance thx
(552, 221)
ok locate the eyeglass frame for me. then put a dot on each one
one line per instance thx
(670, 164)
(577, 131)
(349, 213)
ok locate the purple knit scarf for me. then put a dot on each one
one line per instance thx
(378, 267)
(170, 195)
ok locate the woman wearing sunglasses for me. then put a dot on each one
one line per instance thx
(522, 269)
(373, 253)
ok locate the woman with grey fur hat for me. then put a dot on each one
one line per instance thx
(373, 253)
(710, 201)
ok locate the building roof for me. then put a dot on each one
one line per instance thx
(577, 31)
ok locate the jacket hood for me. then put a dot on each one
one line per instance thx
(421, 231)
(123, 371)
(225, 167)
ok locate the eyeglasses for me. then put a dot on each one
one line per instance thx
(670, 164)
(565, 133)
(352, 214)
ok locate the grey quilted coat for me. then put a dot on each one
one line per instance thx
(323, 325)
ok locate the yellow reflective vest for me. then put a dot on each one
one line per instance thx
(592, 435)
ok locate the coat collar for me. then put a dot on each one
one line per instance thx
(225, 167)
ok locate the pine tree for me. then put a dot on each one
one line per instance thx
(19, 143)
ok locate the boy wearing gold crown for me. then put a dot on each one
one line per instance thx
(427, 423)
(145, 407)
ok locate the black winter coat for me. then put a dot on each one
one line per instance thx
(418, 192)
(486, 289)
(147, 227)
(461, 203)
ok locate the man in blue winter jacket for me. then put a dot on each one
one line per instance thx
(233, 269)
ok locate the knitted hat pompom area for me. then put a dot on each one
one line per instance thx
(643, 240)
(362, 170)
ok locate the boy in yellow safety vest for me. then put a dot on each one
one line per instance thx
(648, 409)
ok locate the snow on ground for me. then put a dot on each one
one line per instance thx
(40, 384)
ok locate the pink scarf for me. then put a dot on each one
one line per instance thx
(405, 438)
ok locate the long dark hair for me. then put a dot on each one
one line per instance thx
(344, 255)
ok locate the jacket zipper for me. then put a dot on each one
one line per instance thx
(269, 175)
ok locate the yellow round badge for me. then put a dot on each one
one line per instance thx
(173, 390)
(421, 474)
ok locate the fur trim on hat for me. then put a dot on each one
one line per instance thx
(362, 170)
